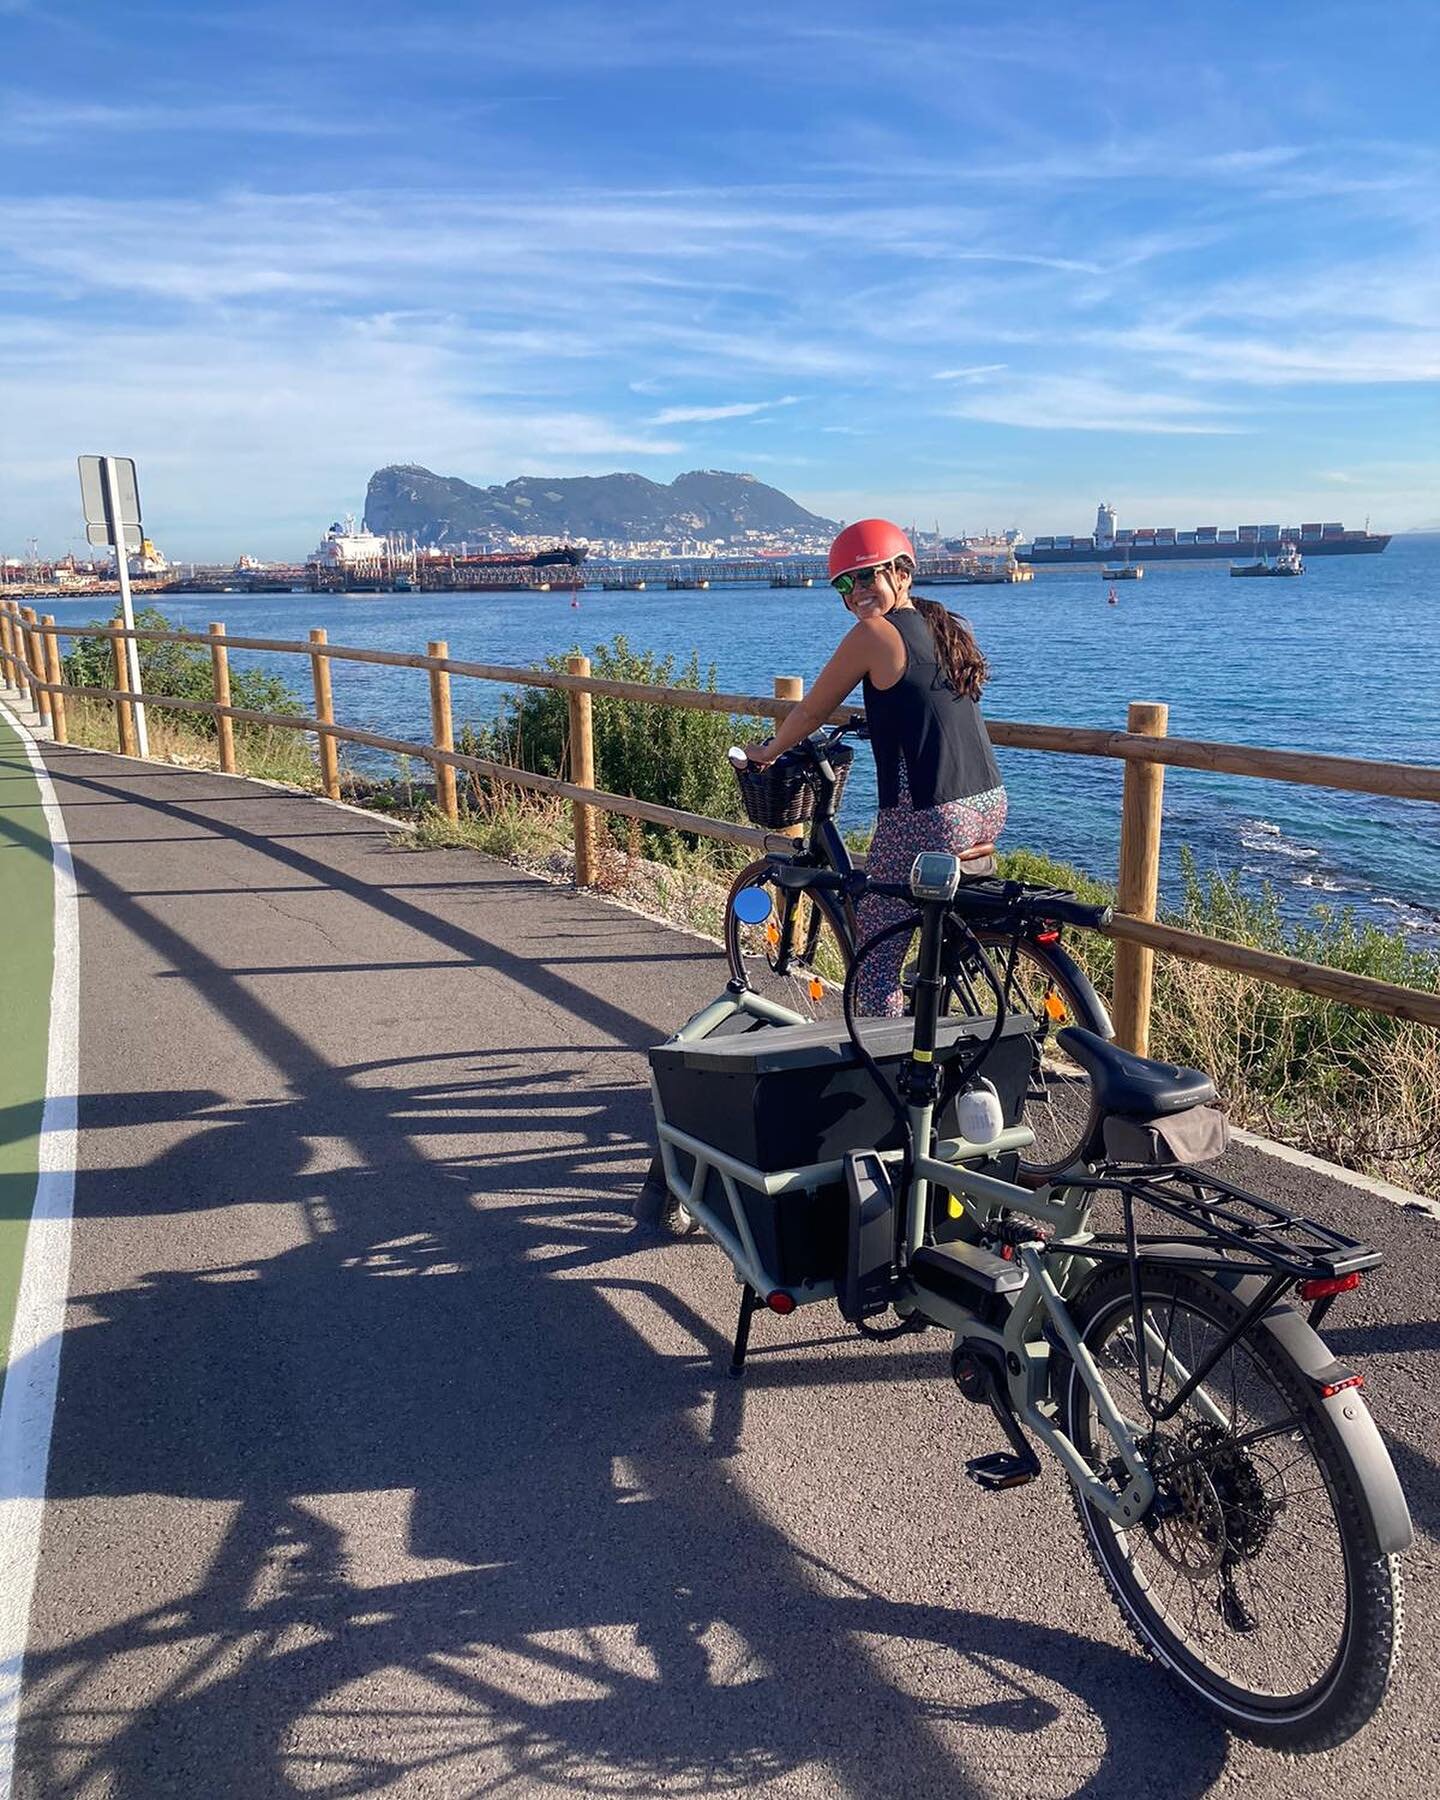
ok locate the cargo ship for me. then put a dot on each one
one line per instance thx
(567, 555)
(1206, 543)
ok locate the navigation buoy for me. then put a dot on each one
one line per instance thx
(1112, 599)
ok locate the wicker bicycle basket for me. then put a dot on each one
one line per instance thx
(784, 793)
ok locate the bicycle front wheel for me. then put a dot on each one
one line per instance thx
(799, 955)
(1252, 1579)
(1057, 1096)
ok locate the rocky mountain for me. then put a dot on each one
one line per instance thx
(442, 509)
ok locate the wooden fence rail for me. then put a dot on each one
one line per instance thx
(30, 662)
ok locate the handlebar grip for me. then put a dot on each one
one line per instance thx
(798, 876)
(1070, 911)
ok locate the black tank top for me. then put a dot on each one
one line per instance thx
(938, 732)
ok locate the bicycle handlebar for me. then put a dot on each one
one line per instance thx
(980, 897)
(816, 747)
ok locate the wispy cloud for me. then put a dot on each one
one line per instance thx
(739, 409)
(975, 372)
(38, 119)
(1086, 403)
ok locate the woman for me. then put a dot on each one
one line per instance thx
(922, 673)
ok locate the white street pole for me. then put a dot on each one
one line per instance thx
(122, 570)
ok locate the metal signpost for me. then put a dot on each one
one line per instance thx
(112, 516)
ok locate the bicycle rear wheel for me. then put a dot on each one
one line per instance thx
(1252, 1579)
(799, 956)
(1057, 1098)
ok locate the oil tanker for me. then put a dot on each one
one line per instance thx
(1206, 543)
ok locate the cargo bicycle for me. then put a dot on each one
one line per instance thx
(797, 950)
(1150, 1324)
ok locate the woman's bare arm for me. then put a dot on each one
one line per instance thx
(866, 649)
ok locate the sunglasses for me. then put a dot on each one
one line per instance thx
(845, 585)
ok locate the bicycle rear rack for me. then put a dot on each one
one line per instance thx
(1243, 1231)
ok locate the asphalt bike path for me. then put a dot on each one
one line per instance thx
(387, 1461)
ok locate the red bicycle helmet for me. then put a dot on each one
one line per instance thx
(866, 543)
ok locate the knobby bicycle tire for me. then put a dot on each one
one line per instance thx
(1254, 1582)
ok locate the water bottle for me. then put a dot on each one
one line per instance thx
(979, 1114)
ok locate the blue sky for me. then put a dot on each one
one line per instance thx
(980, 263)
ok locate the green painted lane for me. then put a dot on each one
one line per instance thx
(26, 952)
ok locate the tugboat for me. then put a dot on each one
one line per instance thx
(1288, 562)
(1126, 572)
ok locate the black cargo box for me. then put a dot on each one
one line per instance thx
(782, 1097)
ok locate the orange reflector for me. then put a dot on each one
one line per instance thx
(772, 934)
(817, 988)
(1339, 1387)
(1054, 1006)
(780, 1302)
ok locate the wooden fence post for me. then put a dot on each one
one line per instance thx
(124, 713)
(789, 687)
(8, 674)
(442, 732)
(582, 773)
(35, 656)
(55, 674)
(325, 714)
(10, 623)
(220, 676)
(1139, 883)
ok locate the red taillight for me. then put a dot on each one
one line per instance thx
(1323, 1286)
(780, 1302)
(1049, 936)
(1339, 1387)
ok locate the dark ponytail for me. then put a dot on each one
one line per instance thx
(955, 648)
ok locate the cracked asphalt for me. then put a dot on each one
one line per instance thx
(388, 1463)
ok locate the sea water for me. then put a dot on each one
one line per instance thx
(1344, 659)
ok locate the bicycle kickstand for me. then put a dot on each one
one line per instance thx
(749, 1301)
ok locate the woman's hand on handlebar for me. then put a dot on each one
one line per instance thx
(818, 743)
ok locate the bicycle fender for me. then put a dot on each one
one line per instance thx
(1346, 1413)
(1098, 1019)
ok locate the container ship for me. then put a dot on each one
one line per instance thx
(1206, 543)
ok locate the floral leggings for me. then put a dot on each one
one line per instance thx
(901, 833)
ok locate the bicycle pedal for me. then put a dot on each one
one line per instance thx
(1001, 1470)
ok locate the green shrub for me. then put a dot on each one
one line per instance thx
(669, 755)
(180, 670)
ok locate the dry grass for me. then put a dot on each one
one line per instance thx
(267, 752)
(1356, 1087)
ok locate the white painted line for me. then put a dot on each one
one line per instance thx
(27, 1409)
(1367, 1184)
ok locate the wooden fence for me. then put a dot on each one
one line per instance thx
(30, 662)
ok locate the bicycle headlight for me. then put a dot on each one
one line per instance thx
(934, 876)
